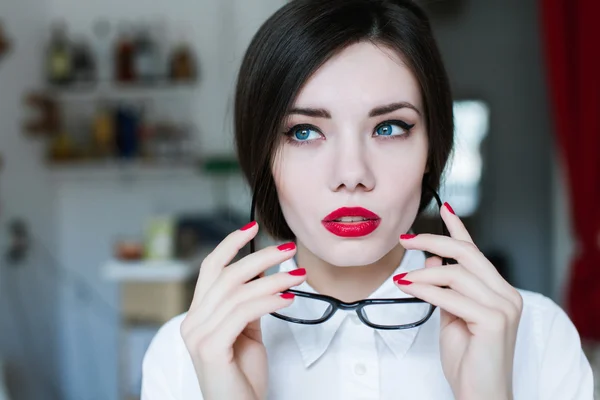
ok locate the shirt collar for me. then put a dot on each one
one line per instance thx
(314, 340)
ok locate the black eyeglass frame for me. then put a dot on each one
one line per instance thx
(358, 306)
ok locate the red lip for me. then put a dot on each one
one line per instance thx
(351, 229)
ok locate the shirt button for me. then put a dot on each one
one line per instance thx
(360, 369)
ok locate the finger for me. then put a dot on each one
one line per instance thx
(254, 264)
(272, 284)
(466, 254)
(242, 271)
(455, 226)
(223, 303)
(445, 317)
(443, 246)
(456, 304)
(457, 278)
(220, 340)
(434, 261)
(222, 255)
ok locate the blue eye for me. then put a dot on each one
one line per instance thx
(304, 134)
(387, 129)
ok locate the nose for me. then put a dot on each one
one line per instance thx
(352, 169)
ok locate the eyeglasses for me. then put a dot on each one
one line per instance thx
(386, 314)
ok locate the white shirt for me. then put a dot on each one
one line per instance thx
(345, 359)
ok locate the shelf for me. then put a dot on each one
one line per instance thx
(92, 170)
(149, 271)
(115, 90)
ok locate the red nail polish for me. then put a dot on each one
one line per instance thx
(248, 226)
(286, 246)
(403, 282)
(407, 236)
(298, 272)
(287, 296)
(449, 208)
(399, 276)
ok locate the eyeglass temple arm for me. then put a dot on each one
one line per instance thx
(445, 261)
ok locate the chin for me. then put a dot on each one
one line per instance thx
(351, 254)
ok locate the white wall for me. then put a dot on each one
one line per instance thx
(27, 296)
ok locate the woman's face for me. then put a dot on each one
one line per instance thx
(357, 144)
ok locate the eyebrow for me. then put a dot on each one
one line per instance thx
(377, 111)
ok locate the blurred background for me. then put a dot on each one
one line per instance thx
(118, 171)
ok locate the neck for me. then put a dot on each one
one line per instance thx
(348, 283)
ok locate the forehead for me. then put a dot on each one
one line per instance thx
(363, 74)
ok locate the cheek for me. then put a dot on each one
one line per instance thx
(400, 177)
(402, 166)
(402, 173)
(294, 178)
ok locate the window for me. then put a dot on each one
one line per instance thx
(460, 184)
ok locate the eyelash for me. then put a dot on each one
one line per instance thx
(290, 131)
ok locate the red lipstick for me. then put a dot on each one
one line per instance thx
(351, 222)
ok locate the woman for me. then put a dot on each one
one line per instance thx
(343, 121)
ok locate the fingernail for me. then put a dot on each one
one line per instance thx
(407, 236)
(298, 272)
(399, 276)
(286, 246)
(403, 282)
(449, 208)
(248, 226)
(287, 296)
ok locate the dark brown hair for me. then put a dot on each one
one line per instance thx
(292, 44)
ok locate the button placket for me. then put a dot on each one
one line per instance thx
(359, 360)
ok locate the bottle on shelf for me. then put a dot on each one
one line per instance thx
(103, 131)
(183, 66)
(62, 148)
(159, 237)
(124, 56)
(59, 57)
(84, 64)
(128, 120)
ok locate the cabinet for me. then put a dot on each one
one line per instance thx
(151, 293)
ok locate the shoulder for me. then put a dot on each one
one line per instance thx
(538, 301)
(540, 314)
(539, 308)
(542, 318)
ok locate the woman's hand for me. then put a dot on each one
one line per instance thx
(222, 327)
(480, 311)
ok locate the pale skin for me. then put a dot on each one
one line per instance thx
(353, 152)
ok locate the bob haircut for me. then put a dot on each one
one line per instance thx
(291, 45)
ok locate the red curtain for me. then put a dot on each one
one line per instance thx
(571, 36)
